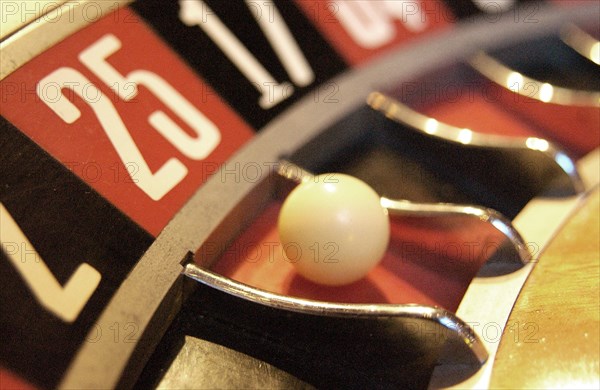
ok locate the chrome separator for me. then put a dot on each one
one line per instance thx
(516, 82)
(581, 42)
(400, 207)
(404, 115)
(442, 317)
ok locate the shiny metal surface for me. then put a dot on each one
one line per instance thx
(581, 42)
(458, 330)
(539, 223)
(289, 170)
(518, 83)
(16, 17)
(483, 214)
(398, 208)
(547, 153)
(64, 18)
(553, 340)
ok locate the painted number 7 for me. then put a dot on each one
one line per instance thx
(155, 184)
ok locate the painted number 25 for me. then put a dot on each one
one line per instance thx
(155, 184)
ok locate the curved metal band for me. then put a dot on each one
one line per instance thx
(484, 214)
(395, 207)
(548, 151)
(442, 317)
(516, 82)
(581, 42)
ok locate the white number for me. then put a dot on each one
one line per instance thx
(65, 302)
(208, 135)
(156, 185)
(270, 21)
(370, 23)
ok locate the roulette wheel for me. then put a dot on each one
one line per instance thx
(150, 145)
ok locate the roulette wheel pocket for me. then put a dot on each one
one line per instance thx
(170, 161)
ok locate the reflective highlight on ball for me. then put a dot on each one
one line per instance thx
(333, 229)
